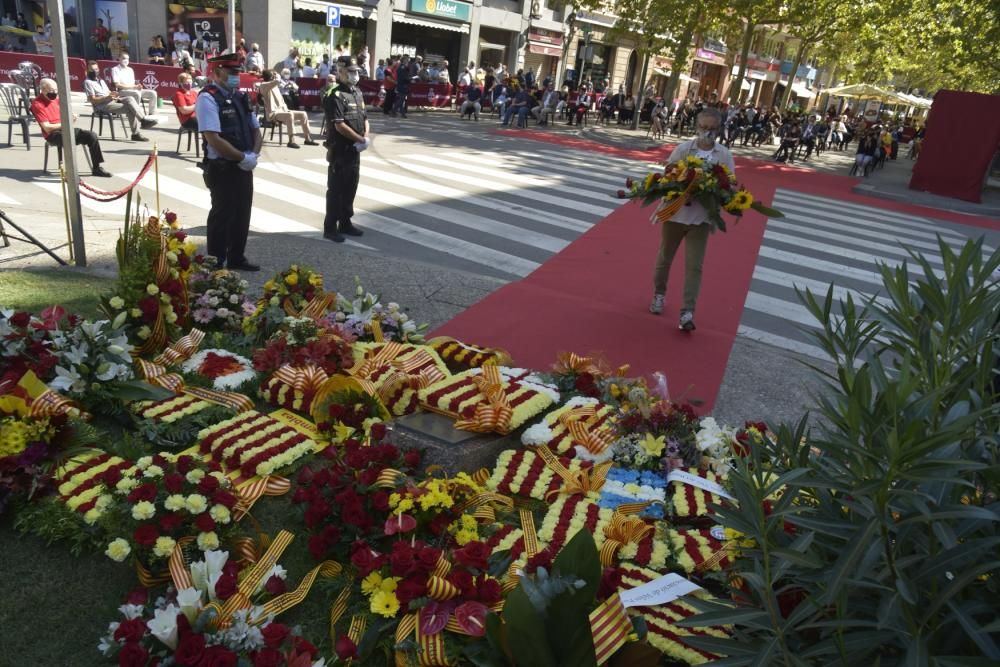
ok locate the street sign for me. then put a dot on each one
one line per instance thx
(333, 16)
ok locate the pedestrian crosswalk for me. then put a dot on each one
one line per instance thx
(822, 241)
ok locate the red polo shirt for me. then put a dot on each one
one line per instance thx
(46, 111)
(184, 98)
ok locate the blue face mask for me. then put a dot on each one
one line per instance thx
(233, 81)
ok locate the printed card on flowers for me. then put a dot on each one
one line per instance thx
(581, 427)
(253, 444)
(661, 620)
(462, 396)
(690, 502)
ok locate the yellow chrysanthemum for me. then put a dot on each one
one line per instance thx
(372, 583)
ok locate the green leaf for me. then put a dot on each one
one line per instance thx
(732, 616)
(975, 632)
(138, 390)
(844, 565)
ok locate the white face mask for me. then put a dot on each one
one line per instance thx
(707, 135)
(286, 76)
(353, 78)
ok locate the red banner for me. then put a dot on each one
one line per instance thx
(77, 66)
(421, 94)
(161, 78)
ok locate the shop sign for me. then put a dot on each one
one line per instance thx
(596, 19)
(544, 49)
(443, 9)
(545, 36)
(714, 46)
(707, 55)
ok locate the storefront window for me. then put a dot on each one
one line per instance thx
(203, 23)
(599, 66)
(311, 36)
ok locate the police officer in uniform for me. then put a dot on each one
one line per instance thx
(346, 138)
(232, 141)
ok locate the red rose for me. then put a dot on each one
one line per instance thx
(403, 559)
(268, 657)
(190, 649)
(20, 319)
(145, 535)
(180, 236)
(275, 634)
(305, 475)
(275, 585)
(488, 590)
(226, 587)
(184, 262)
(218, 656)
(318, 547)
(621, 194)
(204, 523)
(345, 648)
(305, 646)
(355, 459)
(412, 458)
(132, 630)
(628, 183)
(357, 516)
(138, 596)
(428, 558)
(331, 534)
(474, 555)
(150, 307)
(171, 522)
(173, 482)
(380, 501)
(366, 560)
(462, 579)
(378, 432)
(170, 217)
(132, 655)
(368, 476)
(411, 588)
(439, 524)
(142, 492)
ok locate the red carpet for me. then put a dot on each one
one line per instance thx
(592, 296)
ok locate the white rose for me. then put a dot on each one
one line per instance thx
(117, 302)
(152, 290)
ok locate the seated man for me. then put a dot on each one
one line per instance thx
(550, 100)
(289, 89)
(627, 109)
(520, 106)
(104, 99)
(124, 80)
(45, 108)
(184, 101)
(473, 101)
(582, 106)
(276, 111)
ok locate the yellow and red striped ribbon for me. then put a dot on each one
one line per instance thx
(621, 531)
(338, 609)
(157, 374)
(530, 534)
(147, 579)
(376, 328)
(286, 601)
(249, 583)
(610, 627)
(301, 378)
(250, 492)
(181, 349)
(441, 589)
(432, 652)
(574, 482)
(177, 567)
(577, 421)
(389, 478)
(495, 414)
(669, 208)
(227, 399)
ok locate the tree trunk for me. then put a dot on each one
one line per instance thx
(734, 89)
(679, 57)
(642, 91)
(799, 54)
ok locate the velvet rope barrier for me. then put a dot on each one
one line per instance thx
(91, 192)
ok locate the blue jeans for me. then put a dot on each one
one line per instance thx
(400, 104)
(522, 114)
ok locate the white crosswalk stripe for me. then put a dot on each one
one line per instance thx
(7, 200)
(823, 241)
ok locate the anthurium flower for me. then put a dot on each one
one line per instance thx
(400, 523)
(471, 616)
(433, 617)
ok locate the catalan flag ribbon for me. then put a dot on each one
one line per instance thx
(610, 627)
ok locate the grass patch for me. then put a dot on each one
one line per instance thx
(35, 290)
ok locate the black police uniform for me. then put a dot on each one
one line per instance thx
(344, 104)
(230, 186)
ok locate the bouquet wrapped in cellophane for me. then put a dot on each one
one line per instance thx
(692, 179)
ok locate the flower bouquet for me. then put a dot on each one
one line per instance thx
(227, 370)
(342, 409)
(459, 356)
(692, 179)
(26, 343)
(163, 499)
(182, 627)
(657, 437)
(581, 426)
(218, 299)
(295, 292)
(342, 500)
(359, 315)
(301, 342)
(151, 297)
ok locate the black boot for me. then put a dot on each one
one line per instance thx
(348, 229)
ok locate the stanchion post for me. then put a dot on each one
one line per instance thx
(65, 198)
(156, 169)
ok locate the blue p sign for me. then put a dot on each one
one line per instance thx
(333, 16)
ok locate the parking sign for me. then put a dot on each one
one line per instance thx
(333, 16)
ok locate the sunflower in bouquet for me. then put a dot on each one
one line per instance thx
(342, 409)
(692, 179)
(287, 293)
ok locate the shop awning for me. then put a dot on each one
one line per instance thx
(491, 46)
(345, 10)
(750, 73)
(798, 89)
(744, 85)
(664, 73)
(400, 17)
(544, 49)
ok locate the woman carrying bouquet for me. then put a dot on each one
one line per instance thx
(690, 224)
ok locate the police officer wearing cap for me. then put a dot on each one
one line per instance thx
(346, 138)
(232, 141)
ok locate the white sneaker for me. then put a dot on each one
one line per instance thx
(687, 321)
(656, 306)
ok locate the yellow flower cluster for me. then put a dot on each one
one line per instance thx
(465, 529)
(381, 593)
(16, 434)
(741, 201)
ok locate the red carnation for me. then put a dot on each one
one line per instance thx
(173, 482)
(190, 650)
(208, 485)
(111, 476)
(412, 458)
(185, 464)
(318, 547)
(133, 655)
(218, 656)
(488, 590)
(378, 432)
(275, 585)
(180, 236)
(205, 523)
(621, 194)
(145, 535)
(171, 522)
(20, 319)
(411, 588)
(222, 497)
(226, 587)
(150, 307)
(142, 492)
